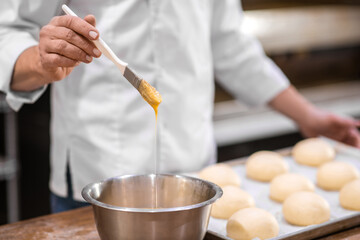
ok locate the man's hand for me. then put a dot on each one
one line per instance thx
(331, 126)
(314, 122)
(63, 44)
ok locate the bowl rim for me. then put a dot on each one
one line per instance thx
(88, 188)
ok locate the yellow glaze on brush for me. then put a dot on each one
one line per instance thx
(150, 94)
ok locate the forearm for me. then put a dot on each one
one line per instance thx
(293, 105)
(27, 74)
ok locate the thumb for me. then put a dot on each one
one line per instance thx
(90, 19)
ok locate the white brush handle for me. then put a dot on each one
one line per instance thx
(101, 45)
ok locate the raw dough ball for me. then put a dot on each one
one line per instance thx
(286, 184)
(249, 223)
(265, 165)
(306, 208)
(350, 195)
(334, 175)
(232, 200)
(221, 175)
(313, 152)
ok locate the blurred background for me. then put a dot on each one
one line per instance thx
(315, 42)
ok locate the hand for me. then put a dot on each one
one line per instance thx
(314, 122)
(64, 43)
(332, 126)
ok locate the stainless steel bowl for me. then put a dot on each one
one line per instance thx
(152, 206)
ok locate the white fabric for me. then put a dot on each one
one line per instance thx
(99, 121)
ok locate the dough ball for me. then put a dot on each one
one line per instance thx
(350, 195)
(249, 223)
(220, 174)
(306, 208)
(286, 184)
(313, 152)
(232, 200)
(334, 175)
(265, 165)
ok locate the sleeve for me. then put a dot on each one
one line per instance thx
(240, 63)
(20, 23)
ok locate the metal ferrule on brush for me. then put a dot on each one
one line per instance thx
(132, 77)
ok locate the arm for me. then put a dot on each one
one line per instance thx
(240, 63)
(313, 121)
(63, 44)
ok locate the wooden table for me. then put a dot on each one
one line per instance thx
(79, 224)
(74, 224)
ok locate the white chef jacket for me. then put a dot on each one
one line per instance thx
(99, 122)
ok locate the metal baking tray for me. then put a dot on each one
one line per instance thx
(340, 218)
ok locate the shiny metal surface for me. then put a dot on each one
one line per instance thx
(152, 206)
(132, 77)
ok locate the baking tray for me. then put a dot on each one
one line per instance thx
(340, 218)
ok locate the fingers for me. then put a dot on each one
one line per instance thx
(353, 138)
(92, 20)
(343, 122)
(70, 51)
(350, 122)
(357, 123)
(77, 40)
(78, 25)
(355, 135)
(347, 130)
(70, 38)
(52, 61)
